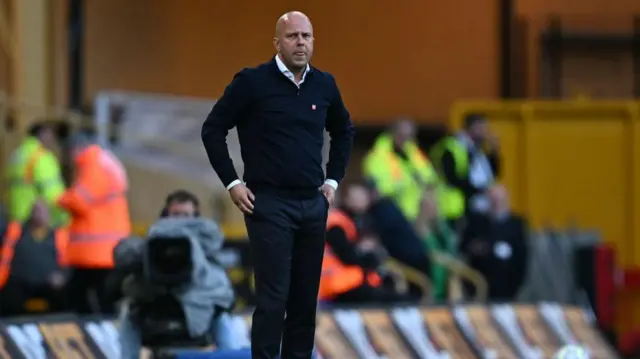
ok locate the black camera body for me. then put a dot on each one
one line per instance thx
(167, 262)
(167, 267)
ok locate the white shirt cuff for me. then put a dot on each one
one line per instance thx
(332, 183)
(233, 184)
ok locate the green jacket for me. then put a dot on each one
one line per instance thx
(403, 181)
(444, 243)
(34, 173)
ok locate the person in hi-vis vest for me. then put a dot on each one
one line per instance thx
(34, 173)
(469, 164)
(99, 210)
(353, 269)
(399, 168)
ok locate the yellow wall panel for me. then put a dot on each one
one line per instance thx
(577, 174)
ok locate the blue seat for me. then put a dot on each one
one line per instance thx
(218, 354)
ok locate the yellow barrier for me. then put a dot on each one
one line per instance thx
(459, 271)
(571, 163)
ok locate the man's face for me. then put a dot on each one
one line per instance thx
(357, 199)
(48, 138)
(40, 215)
(181, 209)
(499, 199)
(404, 131)
(479, 131)
(294, 41)
(429, 205)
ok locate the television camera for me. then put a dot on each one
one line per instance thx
(174, 284)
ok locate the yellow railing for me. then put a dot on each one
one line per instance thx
(458, 272)
(413, 276)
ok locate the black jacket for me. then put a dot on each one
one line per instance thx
(505, 256)
(281, 129)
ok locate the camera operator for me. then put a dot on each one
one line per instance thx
(181, 203)
(204, 302)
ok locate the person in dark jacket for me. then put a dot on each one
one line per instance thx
(281, 110)
(396, 234)
(496, 245)
(33, 265)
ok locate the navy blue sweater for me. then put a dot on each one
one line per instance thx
(280, 128)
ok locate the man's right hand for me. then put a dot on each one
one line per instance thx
(242, 197)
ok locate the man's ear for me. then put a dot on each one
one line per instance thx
(276, 44)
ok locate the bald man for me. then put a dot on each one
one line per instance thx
(281, 109)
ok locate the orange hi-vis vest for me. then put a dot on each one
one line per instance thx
(99, 209)
(11, 237)
(338, 278)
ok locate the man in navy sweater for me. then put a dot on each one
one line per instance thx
(281, 109)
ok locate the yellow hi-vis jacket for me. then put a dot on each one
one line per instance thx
(34, 174)
(401, 180)
(451, 199)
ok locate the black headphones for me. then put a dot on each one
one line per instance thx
(180, 196)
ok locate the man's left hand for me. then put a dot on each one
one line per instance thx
(328, 192)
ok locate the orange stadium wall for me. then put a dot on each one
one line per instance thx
(596, 69)
(410, 57)
(429, 60)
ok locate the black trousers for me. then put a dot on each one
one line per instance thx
(88, 291)
(287, 245)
